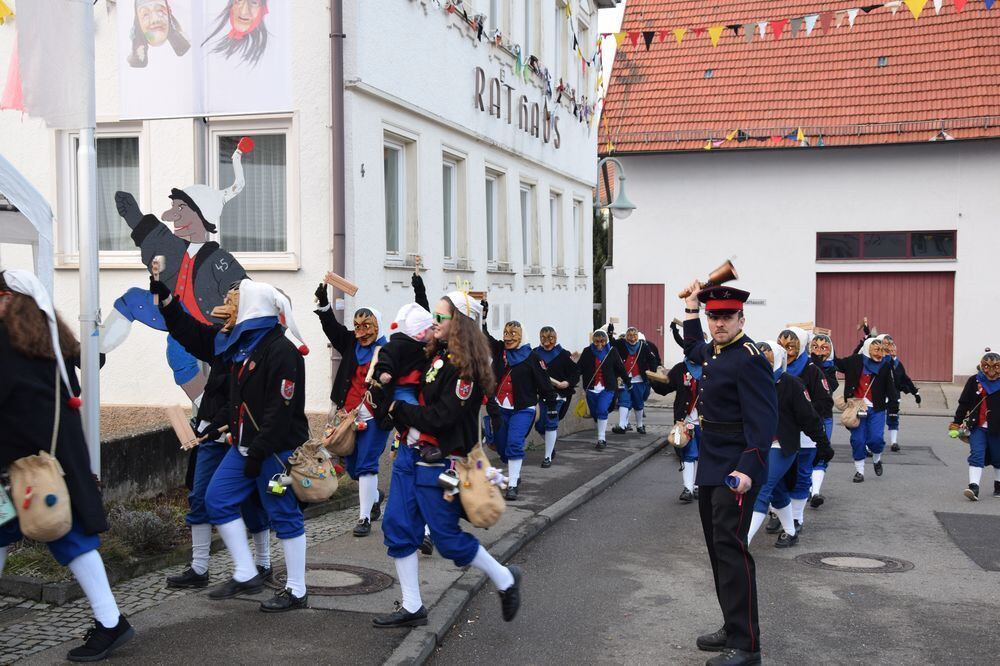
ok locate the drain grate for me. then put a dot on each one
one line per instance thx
(854, 562)
(337, 580)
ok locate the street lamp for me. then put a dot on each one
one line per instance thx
(621, 207)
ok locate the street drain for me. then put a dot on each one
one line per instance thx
(854, 562)
(337, 580)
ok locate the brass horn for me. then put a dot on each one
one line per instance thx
(720, 275)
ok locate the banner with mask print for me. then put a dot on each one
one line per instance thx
(180, 58)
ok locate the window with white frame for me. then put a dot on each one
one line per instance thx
(555, 233)
(496, 19)
(529, 240)
(528, 36)
(394, 170)
(587, 49)
(578, 238)
(492, 222)
(256, 220)
(449, 195)
(559, 40)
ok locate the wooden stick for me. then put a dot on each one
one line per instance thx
(819, 330)
(158, 265)
(182, 427)
(478, 295)
(222, 430)
(805, 325)
(338, 282)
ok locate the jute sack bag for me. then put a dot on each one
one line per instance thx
(481, 500)
(339, 436)
(680, 436)
(313, 476)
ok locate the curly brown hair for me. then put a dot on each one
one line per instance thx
(468, 349)
(28, 328)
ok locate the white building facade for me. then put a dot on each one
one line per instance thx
(486, 192)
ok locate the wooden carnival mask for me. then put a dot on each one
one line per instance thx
(790, 343)
(632, 335)
(990, 365)
(889, 345)
(512, 333)
(548, 338)
(820, 347)
(229, 310)
(365, 327)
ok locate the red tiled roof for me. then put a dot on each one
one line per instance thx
(943, 71)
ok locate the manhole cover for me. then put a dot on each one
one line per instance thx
(854, 562)
(337, 580)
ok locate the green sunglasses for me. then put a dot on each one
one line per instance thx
(440, 317)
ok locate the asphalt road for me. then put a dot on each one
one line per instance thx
(625, 578)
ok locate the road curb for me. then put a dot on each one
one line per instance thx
(420, 643)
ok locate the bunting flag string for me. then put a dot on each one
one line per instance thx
(5, 12)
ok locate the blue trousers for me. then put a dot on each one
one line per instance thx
(210, 454)
(981, 443)
(514, 427)
(65, 549)
(803, 480)
(892, 421)
(407, 394)
(773, 491)
(229, 489)
(599, 404)
(633, 396)
(368, 447)
(417, 500)
(545, 424)
(869, 434)
(136, 304)
(690, 452)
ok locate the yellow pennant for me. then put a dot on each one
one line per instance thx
(732, 135)
(679, 34)
(916, 7)
(801, 136)
(708, 145)
(4, 11)
(715, 32)
(569, 11)
(619, 38)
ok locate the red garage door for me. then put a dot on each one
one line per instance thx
(917, 309)
(645, 312)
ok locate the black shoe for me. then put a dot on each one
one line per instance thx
(859, 477)
(401, 618)
(798, 527)
(265, 573)
(377, 506)
(601, 445)
(618, 430)
(510, 599)
(695, 493)
(996, 489)
(363, 528)
(734, 657)
(101, 641)
(972, 492)
(713, 642)
(284, 601)
(641, 430)
(546, 463)
(686, 496)
(427, 547)
(232, 587)
(190, 579)
(878, 468)
(773, 525)
(894, 447)
(785, 541)
(817, 501)
(511, 495)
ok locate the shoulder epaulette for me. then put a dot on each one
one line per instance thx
(752, 348)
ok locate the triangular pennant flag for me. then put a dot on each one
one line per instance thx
(715, 32)
(776, 139)
(853, 14)
(732, 135)
(708, 145)
(647, 37)
(868, 9)
(698, 32)
(988, 3)
(762, 26)
(778, 27)
(916, 7)
(790, 135)
(749, 30)
(796, 27)
(825, 20)
(569, 10)
(960, 5)
(619, 38)
(811, 23)
(735, 27)
(717, 143)
(663, 35)
(896, 4)
(840, 18)
(938, 4)
(634, 38)
(4, 12)
(679, 34)
(801, 136)
(576, 42)
(820, 142)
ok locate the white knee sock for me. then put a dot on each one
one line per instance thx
(876, 457)
(262, 548)
(892, 436)
(427, 530)
(498, 573)
(817, 480)
(514, 471)
(798, 509)
(201, 544)
(622, 417)
(756, 520)
(3, 558)
(787, 521)
(295, 564)
(859, 466)
(602, 429)
(688, 475)
(638, 418)
(367, 494)
(234, 534)
(88, 569)
(550, 442)
(975, 475)
(408, 572)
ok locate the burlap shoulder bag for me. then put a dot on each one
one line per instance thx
(849, 416)
(39, 490)
(339, 435)
(481, 500)
(680, 435)
(313, 476)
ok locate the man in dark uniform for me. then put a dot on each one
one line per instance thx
(738, 408)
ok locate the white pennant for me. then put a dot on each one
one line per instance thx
(894, 6)
(851, 15)
(763, 29)
(937, 6)
(811, 23)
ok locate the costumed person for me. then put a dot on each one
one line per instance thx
(683, 379)
(198, 272)
(903, 385)
(457, 379)
(564, 376)
(357, 349)
(868, 377)
(638, 357)
(795, 341)
(796, 417)
(267, 422)
(520, 380)
(247, 34)
(738, 407)
(39, 412)
(821, 354)
(601, 370)
(154, 24)
(980, 397)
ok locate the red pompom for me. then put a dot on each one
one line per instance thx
(394, 325)
(74, 403)
(245, 145)
(303, 350)
(338, 469)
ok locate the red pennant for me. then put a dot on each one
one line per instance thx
(698, 32)
(776, 139)
(825, 20)
(960, 5)
(663, 35)
(778, 27)
(634, 38)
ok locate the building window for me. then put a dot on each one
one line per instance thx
(393, 158)
(529, 250)
(876, 245)
(256, 220)
(883, 61)
(586, 48)
(117, 170)
(555, 234)
(527, 41)
(449, 192)
(492, 253)
(578, 237)
(558, 41)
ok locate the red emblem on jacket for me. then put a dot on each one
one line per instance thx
(287, 389)
(463, 389)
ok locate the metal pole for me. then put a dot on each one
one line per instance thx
(90, 314)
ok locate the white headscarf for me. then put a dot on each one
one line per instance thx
(27, 283)
(259, 299)
(466, 304)
(804, 338)
(866, 347)
(412, 320)
(780, 356)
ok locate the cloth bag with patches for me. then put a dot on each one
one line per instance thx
(481, 499)
(312, 472)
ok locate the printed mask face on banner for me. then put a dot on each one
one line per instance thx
(632, 335)
(187, 222)
(819, 347)
(365, 327)
(245, 15)
(154, 20)
(228, 311)
(990, 365)
(548, 339)
(512, 335)
(790, 343)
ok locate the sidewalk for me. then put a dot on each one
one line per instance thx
(347, 578)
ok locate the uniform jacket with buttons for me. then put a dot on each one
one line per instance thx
(797, 414)
(969, 405)
(529, 379)
(611, 370)
(883, 394)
